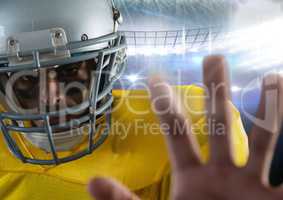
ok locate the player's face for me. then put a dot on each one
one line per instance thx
(54, 88)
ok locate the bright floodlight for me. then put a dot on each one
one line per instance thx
(133, 78)
(236, 89)
(262, 45)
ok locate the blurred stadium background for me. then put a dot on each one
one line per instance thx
(173, 36)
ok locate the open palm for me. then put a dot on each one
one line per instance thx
(219, 178)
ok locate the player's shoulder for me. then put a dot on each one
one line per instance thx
(136, 104)
(140, 98)
(124, 94)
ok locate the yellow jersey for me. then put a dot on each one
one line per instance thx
(134, 154)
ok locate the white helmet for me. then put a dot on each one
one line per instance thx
(37, 35)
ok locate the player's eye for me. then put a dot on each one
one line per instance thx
(69, 71)
(25, 78)
(26, 86)
(72, 69)
(26, 82)
(75, 70)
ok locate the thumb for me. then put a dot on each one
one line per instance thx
(107, 189)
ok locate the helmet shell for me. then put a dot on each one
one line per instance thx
(80, 19)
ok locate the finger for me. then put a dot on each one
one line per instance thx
(266, 128)
(218, 109)
(106, 189)
(183, 147)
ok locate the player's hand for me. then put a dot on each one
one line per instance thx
(218, 179)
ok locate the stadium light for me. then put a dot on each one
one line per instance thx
(262, 45)
(235, 89)
(133, 78)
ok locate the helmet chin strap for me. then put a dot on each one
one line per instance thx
(64, 141)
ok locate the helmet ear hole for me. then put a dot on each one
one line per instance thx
(117, 16)
(84, 37)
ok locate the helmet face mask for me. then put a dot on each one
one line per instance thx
(58, 94)
(43, 90)
(49, 90)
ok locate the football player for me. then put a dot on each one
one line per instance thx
(61, 121)
(218, 178)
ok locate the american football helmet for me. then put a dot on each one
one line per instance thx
(42, 41)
